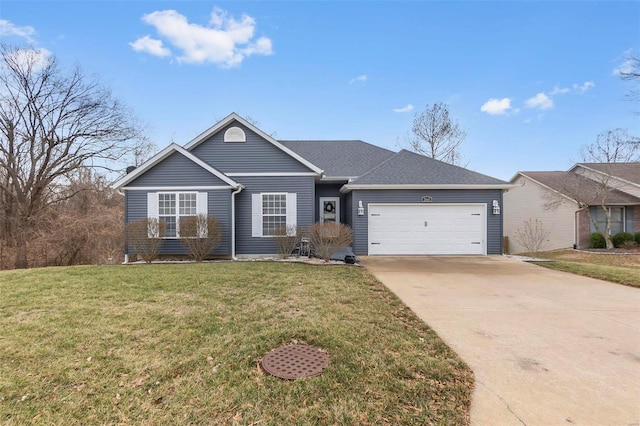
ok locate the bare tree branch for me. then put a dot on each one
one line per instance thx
(53, 123)
(436, 135)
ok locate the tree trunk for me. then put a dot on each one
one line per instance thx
(21, 261)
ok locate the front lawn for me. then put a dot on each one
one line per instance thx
(614, 267)
(181, 344)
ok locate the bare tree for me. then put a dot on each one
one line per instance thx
(326, 238)
(589, 188)
(144, 237)
(287, 239)
(533, 235)
(437, 135)
(631, 72)
(52, 123)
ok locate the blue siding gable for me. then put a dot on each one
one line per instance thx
(177, 170)
(256, 155)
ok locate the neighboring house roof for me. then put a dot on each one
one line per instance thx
(233, 116)
(629, 172)
(130, 177)
(572, 185)
(344, 159)
(410, 170)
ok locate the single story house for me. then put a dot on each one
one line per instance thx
(550, 197)
(397, 203)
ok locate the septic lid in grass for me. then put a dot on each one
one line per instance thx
(295, 361)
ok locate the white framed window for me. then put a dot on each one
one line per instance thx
(235, 134)
(171, 207)
(271, 210)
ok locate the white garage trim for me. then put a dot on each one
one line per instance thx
(427, 229)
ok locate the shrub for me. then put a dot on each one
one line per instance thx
(596, 240)
(326, 238)
(287, 239)
(143, 237)
(200, 235)
(533, 235)
(621, 238)
(637, 238)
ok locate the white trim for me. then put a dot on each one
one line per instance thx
(233, 221)
(321, 200)
(233, 116)
(275, 174)
(175, 188)
(228, 137)
(325, 178)
(162, 155)
(349, 187)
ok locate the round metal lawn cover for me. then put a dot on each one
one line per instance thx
(295, 361)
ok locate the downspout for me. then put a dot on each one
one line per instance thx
(233, 221)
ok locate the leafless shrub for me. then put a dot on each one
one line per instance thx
(200, 234)
(327, 238)
(533, 235)
(143, 237)
(287, 239)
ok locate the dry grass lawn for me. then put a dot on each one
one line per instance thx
(181, 344)
(615, 267)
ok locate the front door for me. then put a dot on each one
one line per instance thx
(330, 209)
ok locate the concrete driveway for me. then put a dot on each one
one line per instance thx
(546, 347)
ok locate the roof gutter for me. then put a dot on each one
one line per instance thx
(233, 221)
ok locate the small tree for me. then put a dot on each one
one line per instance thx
(200, 234)
(143, 237)
(287, 239)
(326, 238)
(437, 135)
(533, 235)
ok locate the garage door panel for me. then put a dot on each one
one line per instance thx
(427, 229)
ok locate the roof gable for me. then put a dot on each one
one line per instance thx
(627, 172)
(340, 159)
(572, 185)
(195, 145)
(165, 154)
(408, 168)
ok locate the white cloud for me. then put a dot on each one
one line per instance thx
(407, 108)
(9, 29)
(496, 106)
(540, 101)
(151, 46)
(34, 57)
(225, 41)
(559, 90)
(361, 78)
(584, 87)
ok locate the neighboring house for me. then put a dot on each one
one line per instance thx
(550, 198)
(395, 203)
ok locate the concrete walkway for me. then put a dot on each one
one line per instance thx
(546, 347)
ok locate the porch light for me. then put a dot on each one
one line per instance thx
(360, 209)
(496, 207)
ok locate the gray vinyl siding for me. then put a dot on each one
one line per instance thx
(328, 190)
(218, 203)
(361, 225)
(177, 170)
(303, 186)
(348, 209)
(256, 155)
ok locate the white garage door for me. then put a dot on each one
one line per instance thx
(397, 229)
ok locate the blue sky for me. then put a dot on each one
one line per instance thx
(531, 82)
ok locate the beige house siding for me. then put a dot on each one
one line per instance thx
(527, 201)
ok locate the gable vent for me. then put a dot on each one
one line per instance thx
(234, 134)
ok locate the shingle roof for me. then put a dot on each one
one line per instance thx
(627, 171)
(340, 158)
(574, 185)
(408, 168)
